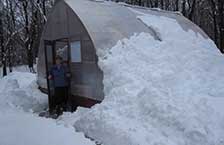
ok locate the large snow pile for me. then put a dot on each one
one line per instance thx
(19, 90)
(20, 125)
(168, 92)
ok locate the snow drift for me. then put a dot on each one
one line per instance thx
(19, 91)
(159, 92)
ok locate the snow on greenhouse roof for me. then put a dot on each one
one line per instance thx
(108, 22)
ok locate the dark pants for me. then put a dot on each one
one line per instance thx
(60, 99)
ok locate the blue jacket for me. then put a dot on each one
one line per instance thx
(59, 76)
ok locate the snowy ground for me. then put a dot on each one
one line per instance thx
(20, 102)
(21, 68)
(167, 92)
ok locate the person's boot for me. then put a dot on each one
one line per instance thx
(61, 110)
(53, 114)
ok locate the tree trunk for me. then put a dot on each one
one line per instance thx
(2, 45)
(191, 14)
(139, 2)
(44, 7)
(162, 4)
(157, 3)
(10, 58)
(147, 3)
(221, 24)
(184, 8)
(177, 5)
(214, 17)
(28, 39)
(10, 27)
(150, 3)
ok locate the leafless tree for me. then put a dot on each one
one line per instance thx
(21, 28)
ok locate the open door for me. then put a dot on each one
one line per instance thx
(50, 55)
(59, 47)
(62, 49)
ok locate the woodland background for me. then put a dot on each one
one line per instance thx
(22, 21)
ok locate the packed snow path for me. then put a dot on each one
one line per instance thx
(19, 125)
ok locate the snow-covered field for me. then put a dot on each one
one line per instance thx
(168, 92)
(20, 101)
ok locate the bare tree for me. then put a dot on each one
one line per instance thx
(21, 28)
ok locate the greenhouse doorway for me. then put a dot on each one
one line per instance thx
(60, 47)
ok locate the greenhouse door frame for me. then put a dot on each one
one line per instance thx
(50, 60)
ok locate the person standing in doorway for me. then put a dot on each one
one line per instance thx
(60, 75)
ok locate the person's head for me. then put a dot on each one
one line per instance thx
(58, 60)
